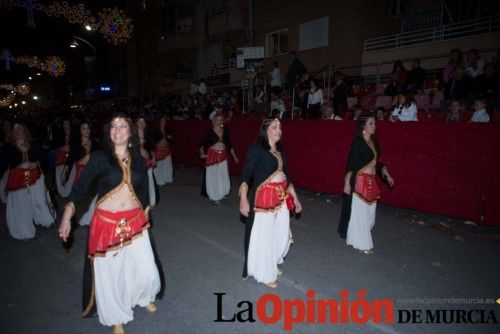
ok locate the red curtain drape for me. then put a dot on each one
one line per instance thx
(442, 168)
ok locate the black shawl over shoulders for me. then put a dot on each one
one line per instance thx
(360, 155)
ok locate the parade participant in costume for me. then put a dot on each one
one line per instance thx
(214, 148)
(78, 157)
(147, 151)
(27, 198)
(361, 191)
(163, 170)
(61, 174)
(121, 259)
(266, 196)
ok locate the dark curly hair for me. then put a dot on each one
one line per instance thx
(133, 146)
(360, 126)
(262, 139)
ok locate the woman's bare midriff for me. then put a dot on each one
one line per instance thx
(28, 165)
(278, 177)
(370, 169)
(218, 146)
(121, 200)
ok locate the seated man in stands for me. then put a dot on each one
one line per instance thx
(381, 114)
(405, 109)
(488, 86)
(415, 78)
(480, 114)
(475, 64)
(459, 88)
(278, 104)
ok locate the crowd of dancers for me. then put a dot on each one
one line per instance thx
(110, 182)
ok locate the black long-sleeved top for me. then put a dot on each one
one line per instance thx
(212, 138)
(11, 157)
(260, 165)
(110, 176)
(360, 155)
(77, 152)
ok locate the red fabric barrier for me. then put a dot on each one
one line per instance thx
(438, 167)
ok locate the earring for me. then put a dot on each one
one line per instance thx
(129, 145)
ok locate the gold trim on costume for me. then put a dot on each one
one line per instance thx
(125, 243)
(126, 180)
(92, 290)
(269, 178)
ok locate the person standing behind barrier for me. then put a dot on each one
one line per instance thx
(361, 191)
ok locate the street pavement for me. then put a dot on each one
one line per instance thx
(416, 256)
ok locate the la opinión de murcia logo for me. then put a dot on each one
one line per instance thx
(271, 309)
(312, 310)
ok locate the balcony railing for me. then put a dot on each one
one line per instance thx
(432, 35)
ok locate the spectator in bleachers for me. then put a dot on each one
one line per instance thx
(356, 112)
(455, 62)
(480, 114)
(314, 99)
(456, 111)
(295, 69)
(327, 113)
(340, 92)
(276, 79)
(259, 93)
(405, 109)
(397, 82)
(234, 107)
(277, 104)
(458, 88)
(475, 64)
(381, 114)
(202, 87)
(488, 86)
(263, 109)
(415, 79)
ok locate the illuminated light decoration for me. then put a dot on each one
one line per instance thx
(9, 98)
(115, 26)
(74, 14)
(7, 57)
(55, 66)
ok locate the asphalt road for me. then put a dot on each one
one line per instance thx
(416, 255)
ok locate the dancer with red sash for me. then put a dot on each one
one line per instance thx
(121, 259)
(214, 150)
(78, 157)
(147, 151)
(63, 183)
(266, 198)
(361, 190)
(163, 171)
(26, 197)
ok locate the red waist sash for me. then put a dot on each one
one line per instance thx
(162, 152)
(79, 170)
(61, 157)
(367, 187)
(113, 230)
(215, 156)
(22, 178)
(272, 194)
